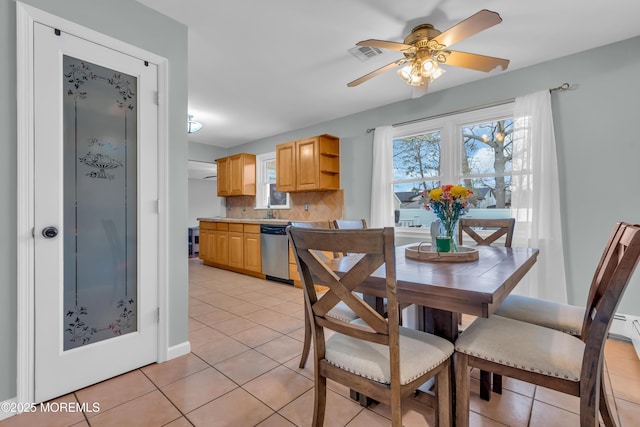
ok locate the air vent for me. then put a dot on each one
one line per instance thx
(364, 53)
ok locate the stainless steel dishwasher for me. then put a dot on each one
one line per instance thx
(274, 245)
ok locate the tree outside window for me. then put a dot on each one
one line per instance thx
(471, 149)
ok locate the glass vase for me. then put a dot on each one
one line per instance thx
(449, 228)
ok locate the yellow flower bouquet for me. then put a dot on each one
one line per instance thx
(448, 203)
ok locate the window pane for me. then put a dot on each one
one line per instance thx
(270, 171)
(486, 165)
(490, 192)
(488, 147)
(417, 156)
(409, 207)
(277, 198)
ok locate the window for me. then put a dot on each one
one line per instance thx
(471, 149)
(266, 194)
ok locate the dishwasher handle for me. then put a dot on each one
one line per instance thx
(280, 230)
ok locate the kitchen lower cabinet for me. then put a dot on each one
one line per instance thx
(207, 239)
(221, 244)
(236, 245)
(232, 246)
(252, 250)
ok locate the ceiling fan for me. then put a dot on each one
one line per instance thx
(426, 48)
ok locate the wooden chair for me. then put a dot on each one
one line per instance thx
(350, 224)
(561, 317)
(313, 224)
(502, 227)
(372, 355)
(548, 357)
(340, 311)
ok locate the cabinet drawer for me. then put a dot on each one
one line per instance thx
(238, 228)
(223, 226)
(252, 228)
(207, 225)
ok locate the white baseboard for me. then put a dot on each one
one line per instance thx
(179, 350)
(626, 328)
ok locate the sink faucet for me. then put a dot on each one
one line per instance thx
(270, 213)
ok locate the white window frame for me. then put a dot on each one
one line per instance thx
(451, 147)
(262, 195)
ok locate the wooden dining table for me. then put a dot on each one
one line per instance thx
(441, 290)
(448, 288)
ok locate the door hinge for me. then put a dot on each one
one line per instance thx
(158, 313)
(33, 232)
(157, 98)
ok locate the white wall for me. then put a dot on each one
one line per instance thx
(597, 148)
(203, 201)
(133, 23)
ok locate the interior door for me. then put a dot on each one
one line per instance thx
(96, 194)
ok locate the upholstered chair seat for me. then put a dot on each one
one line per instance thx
(523, 345)
(562, 317)
(421, 352)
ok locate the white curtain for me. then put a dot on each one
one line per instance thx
(382, 179)
(535, 200)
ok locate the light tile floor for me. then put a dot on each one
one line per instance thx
(246, 338)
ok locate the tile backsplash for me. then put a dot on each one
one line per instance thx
(323, 205)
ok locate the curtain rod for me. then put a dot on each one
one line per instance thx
(562, 87)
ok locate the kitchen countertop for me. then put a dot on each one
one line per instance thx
(247, 220)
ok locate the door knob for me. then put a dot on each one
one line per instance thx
(50, 232)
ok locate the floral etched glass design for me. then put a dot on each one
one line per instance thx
(100, 208)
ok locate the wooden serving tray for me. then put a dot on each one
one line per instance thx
(425, 252)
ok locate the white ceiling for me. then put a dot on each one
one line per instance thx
(258, 68)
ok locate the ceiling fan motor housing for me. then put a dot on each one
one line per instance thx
(421, 35)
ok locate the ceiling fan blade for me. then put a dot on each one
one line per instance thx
(374, 73)
(470, 26)
(477, 62)
(384, 44)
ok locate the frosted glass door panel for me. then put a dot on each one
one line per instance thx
(100, 235)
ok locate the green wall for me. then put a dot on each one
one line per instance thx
(595, 134)
(137, 25)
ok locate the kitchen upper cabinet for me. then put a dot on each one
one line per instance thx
(286, 167)
(237, 175)
(310, 164)
(224, 184)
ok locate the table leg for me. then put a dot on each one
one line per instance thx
(485, 385)
(443, 324)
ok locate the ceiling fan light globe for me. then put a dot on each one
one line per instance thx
(427, 66)
(436, 72)
(405, 73)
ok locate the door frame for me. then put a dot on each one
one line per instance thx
(25, 17)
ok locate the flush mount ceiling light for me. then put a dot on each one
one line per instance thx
(192, 125)
(426, 48)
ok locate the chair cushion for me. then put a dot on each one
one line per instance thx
(562, 317)
(419, 353)
(523, 345)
